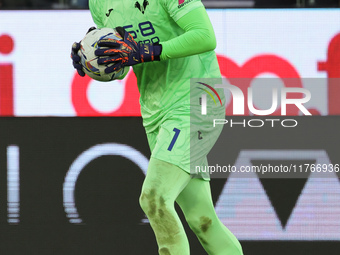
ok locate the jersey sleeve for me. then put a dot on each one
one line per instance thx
(178, 8)
(94, 7)
(199, 36)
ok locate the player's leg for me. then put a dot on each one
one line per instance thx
(196, 203)
(163, 183)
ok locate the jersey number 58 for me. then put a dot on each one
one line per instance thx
(145, 29)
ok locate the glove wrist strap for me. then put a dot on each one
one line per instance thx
(150, 52)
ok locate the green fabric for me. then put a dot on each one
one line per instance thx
(199, 36)
(164, 85)
(164, 184)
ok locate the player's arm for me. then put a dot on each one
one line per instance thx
(199, 36)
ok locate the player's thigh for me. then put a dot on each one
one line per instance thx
(165, 180)
(195, 198)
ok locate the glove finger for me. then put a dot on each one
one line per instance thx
(110, 43)
(115, 44)
(108, 52)
(75, 47)
(131, 42)
(77, 66)
(75, 57)
(121, 31)
(81, 72)
(109, 60)
(114, 67)
(90, 29)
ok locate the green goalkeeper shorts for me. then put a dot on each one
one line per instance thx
(185, 141)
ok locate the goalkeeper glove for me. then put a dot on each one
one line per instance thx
(125, 52)
(75, 57)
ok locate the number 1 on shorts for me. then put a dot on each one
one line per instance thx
(174, 138)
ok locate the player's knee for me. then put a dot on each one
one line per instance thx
(193, 224)
(200, 224)
(147, 201)
(153, 204)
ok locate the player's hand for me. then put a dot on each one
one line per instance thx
(76, 58)
(126, 52)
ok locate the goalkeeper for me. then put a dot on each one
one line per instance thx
(168, 42)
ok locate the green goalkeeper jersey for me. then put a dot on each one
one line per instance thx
(164, 85)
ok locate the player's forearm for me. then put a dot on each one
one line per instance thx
(199, 36)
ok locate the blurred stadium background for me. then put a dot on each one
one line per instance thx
(64, 138)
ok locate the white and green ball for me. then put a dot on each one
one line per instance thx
(89, 60)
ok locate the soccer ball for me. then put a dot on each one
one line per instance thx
(89, 60)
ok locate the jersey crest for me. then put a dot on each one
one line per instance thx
(142, 7)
